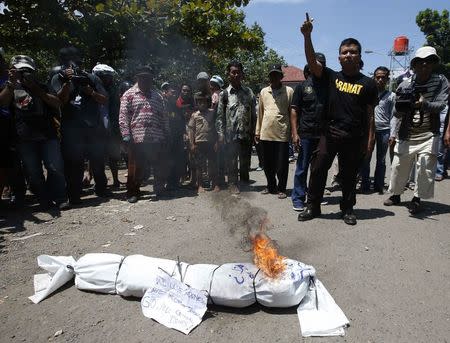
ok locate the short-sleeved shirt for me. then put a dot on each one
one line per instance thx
(349, 98)
(82, 110)
(33, 118)
(273, 114)
(202, 124)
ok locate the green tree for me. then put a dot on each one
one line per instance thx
(436, 28)
(178, 38)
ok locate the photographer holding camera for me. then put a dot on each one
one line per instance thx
(419, 102)
(34, 108)
(83, 131)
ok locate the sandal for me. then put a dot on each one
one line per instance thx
(282, 195)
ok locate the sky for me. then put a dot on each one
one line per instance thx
(374, 23)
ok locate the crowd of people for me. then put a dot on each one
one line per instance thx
(202, 135)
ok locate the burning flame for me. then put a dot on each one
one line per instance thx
(266, 257)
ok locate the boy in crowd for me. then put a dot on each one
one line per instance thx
(203, 142)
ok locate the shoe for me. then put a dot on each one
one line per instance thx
(379, 190)
(439, 178)
(392, 200)
(308, 214)
(298, 207)
(74, 201)
(259, 169)
(132, 199)
(234, 189)
(292, 159)
(104, 194)
(282, 195)
(349, 217)
(62, 206)
(414, 206)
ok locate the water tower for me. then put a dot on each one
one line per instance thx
(400, 58)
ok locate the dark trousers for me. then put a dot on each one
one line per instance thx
(239, 149)
(79, 144)
(139, 156)
(259, 152)
(276, 164)
(307, 147)
(176, 161)
(33, 154)
(350, 158)
(205, 163)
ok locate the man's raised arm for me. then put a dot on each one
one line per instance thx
(306, 29)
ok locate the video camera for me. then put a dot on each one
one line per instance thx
(405, 102)
(79, 77)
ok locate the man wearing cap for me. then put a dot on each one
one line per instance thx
(203, 87)
(82, 123)
(34, 109)
(110, 115)
(419, 102)
(216, 85)
(273, 129)
(349, 125)
(307, 114)
(235, 124)
(145, 128)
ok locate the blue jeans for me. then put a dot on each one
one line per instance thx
(33, 154)
(443, 155)
(382, 145)
(307, 147)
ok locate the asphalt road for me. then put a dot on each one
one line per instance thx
(390, 273)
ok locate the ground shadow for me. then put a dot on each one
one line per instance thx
(430, 209)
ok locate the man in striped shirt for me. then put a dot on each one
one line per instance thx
(144, 126)
(418, 136)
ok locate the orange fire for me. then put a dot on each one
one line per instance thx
(266, 257)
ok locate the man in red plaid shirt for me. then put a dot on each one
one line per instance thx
(144, 127)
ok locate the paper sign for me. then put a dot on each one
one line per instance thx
(174, 304)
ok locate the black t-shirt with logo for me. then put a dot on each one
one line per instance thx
(349, 98)
(311, 99)
(34, 119)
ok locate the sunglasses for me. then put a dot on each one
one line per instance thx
(427, 60)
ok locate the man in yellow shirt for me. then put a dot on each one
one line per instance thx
(273, 130)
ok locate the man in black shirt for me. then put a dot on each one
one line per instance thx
(35, 110)
(307, 108)
(83, 131)
(348, 126)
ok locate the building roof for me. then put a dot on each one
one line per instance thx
(293, 74)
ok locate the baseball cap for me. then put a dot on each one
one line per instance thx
(424, 52)
(165, 85)
(202, 76)
(144, 70)
(218, 80)
(22, 61)
(103, 69)
(276, 68)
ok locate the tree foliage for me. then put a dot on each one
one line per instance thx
(436, 28)
(177, 38)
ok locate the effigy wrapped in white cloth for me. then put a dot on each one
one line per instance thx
(231, 284)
